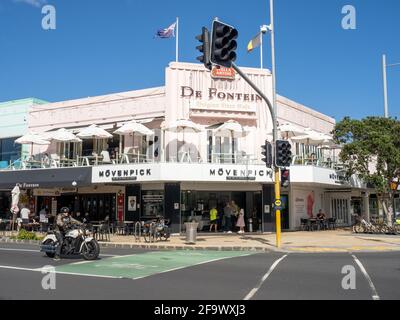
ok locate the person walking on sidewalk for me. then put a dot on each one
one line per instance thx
(228, 218)
(213, 219)
(240, 221)
(235, 213)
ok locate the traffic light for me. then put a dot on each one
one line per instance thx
(283, 156)
(285, 178)
(204, 48)
(223, 44)
(267, 153)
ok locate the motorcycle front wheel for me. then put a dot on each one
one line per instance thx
(49, 242)
(91, 250)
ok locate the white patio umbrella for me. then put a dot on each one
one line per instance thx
(231, 129)
(33, 138)
(332, 147)
(312, 138)
(94, 132)
(181, 126)
(15, 193)
(133, 127)
(64, 136)
(291, 130)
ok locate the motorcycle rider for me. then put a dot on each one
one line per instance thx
(63, 221)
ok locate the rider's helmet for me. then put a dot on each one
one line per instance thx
(65, 211)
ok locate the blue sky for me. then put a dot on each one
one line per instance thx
(104, 46)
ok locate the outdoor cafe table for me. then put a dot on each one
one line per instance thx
(65, 162)
(33, 163)
(90, 159)
(320, 223)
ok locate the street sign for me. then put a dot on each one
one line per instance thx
(278, 203)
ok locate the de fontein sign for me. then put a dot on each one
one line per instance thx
(215, 94)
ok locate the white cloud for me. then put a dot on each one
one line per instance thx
(34, 3)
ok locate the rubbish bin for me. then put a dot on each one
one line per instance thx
(191, 232)
(250, 225)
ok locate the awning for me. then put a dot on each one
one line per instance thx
(46, 178)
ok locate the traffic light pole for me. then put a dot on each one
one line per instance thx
(275, 138)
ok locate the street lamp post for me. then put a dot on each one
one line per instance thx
(385, 66)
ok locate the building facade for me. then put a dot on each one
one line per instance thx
(13, 124)
(183, 173)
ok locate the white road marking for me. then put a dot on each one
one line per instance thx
(59, 272)
(18, 250)
(38, 251)
(253, 291)
(375, 295)
(21, 269)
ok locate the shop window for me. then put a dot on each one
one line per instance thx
(340, 211)
(5, 204)
(373, 208)
(9, 151)
(152, 203)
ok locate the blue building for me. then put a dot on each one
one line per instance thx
(13, 124)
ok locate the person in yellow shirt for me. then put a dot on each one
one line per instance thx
(214, 219)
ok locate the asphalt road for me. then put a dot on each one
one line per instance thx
(199, 275)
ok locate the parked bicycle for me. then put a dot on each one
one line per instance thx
(156, 230)
(363, 226)
(378, 227)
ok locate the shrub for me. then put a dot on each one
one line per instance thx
(26, 235)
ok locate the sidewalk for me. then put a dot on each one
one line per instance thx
(327, 241)
(305, 242)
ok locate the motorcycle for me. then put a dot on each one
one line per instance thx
(77, 241)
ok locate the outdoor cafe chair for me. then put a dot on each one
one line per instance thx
(304, 224)
(106, 158)
(332, 223)
(314, 224)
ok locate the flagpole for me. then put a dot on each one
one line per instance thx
(272, 30)
(177, 39)
(261, 49)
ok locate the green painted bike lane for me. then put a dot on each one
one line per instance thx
(146, 264)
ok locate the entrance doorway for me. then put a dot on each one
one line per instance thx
(196, 206)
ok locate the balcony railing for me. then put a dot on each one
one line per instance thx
(45, 162)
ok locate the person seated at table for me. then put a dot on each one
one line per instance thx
(86, 219)
(46, 160)
(313, 158)
(321, 215)
(113, 153)
(25, 215)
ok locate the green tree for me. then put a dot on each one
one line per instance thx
(372, 151)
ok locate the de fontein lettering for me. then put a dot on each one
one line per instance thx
(213, 94)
